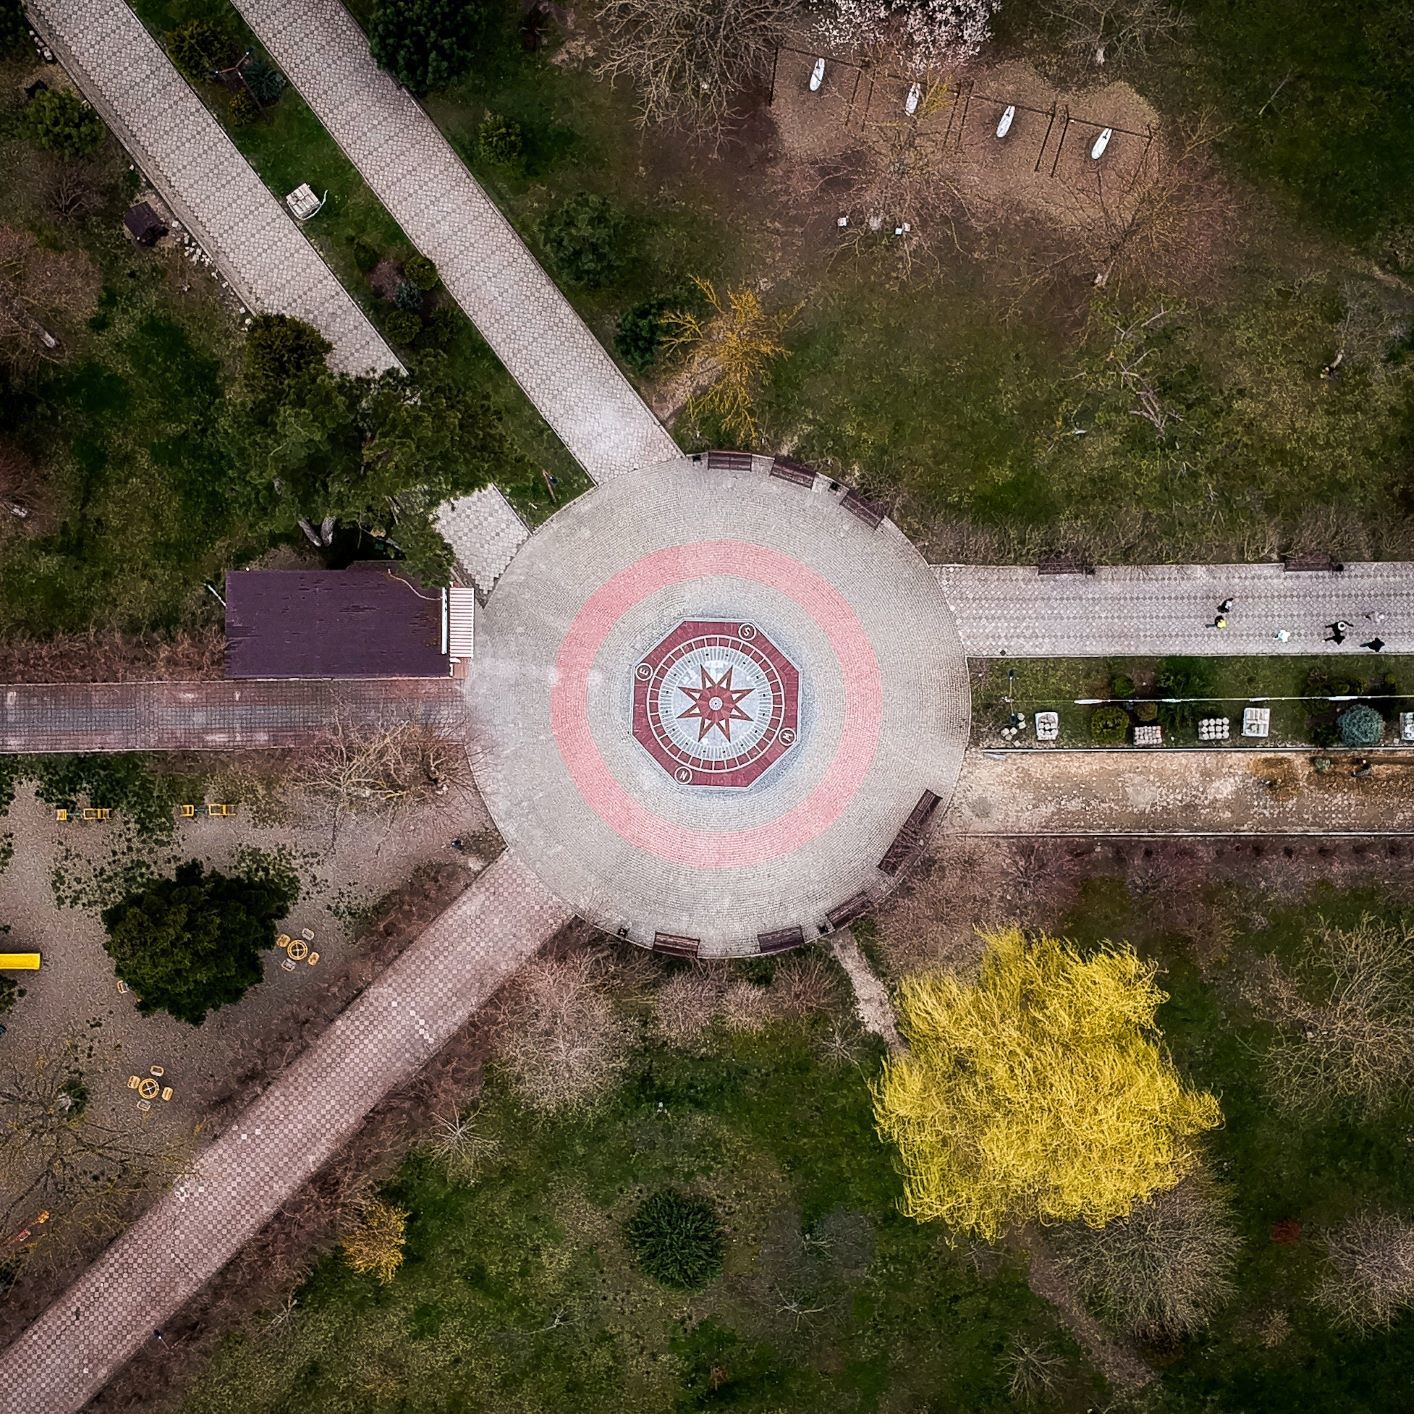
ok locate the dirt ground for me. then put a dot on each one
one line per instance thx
(57, 879)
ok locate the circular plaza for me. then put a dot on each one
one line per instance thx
(712, 707)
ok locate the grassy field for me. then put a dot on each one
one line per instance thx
(518, 1292)
(1277, 1168)
(1223, 685)
(289, 146)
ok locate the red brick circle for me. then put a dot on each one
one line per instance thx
(760, 750)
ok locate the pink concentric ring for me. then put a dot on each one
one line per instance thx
(630, 818)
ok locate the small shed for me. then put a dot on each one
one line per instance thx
(144, 225)
(368, 621)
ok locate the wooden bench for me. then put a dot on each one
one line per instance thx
(910, 838)
(854, 907)
(780, 940)
(1063, 564)
(729, 461)
(1311, 564)
(795, 472)
(870, 512)
(675, 945)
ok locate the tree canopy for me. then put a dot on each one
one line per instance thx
(63, 123)
(426, 43)
(1039, 1092)
(192, 943)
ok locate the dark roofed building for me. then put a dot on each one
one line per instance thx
(144, 225)
(369, 621)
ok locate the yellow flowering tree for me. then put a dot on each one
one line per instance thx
(731, 343)
(1040, 1092)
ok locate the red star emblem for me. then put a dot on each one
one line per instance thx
(716, 704)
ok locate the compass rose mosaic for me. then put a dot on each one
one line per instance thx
(716, 703)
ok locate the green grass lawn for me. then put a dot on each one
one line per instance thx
(1277, 1168)
(518, 1293)
(289, 146)
(1225, 685)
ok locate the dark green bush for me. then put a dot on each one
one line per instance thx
(640, 334)
(125, 783)
(63, 123)
(583, 236)
(14, 27)
(402, 326)
(1109, 726)
(1146, 711)
(427, 43)
(266, 82)
(1360, 725)
(676, 1239)
(500, 139)
(439, 329)
(200, 47)
(420, 273)
(364, 256)
(1122, 686)
(407, 296)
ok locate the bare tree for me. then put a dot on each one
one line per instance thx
(1100, 30)
(1164, 1270)
(42, 294)
(373, 1245)
(366, 767)
(692, 61)
(560, 1036)
(460, 1148)
(1370, 1277)
(1033, 1368)
(1346, 1017)
(57, 1159)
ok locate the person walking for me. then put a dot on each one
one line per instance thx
(1225, 606)
(1220, 621)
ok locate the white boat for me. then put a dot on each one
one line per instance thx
(1007, 118)
(1101, 143)
(817, 76)
(910, 104)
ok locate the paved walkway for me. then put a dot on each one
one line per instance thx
(187, 156)
(279, 1142)
(206, 716)
(484, 532)
(1136, 792)
(597, 766)
(1159, 609)
(414, 171)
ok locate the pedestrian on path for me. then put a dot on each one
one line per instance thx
(1220, 621)
(1225, 606)
(1282, 635)
(1337, 633)
(1375, 645)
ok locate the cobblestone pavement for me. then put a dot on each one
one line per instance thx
(206, 716)
(214, 191)
(484, 532)
(883, 703)
(1136, 792)
(486, 268)
(279, 1142)
(1159, 609)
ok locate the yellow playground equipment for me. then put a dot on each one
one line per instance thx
(19, 962)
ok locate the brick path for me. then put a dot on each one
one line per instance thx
(187, 156)
(1137, 792)
(413, 170)
(484, 532)
(1158, 609)
(279, 1142)
(205, 716)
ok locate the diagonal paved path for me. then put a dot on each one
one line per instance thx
(415, 173)
(1012, 611)
(279, 1142)
(187, 156)
(207, 716)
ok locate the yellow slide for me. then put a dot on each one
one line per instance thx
(19, 962)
